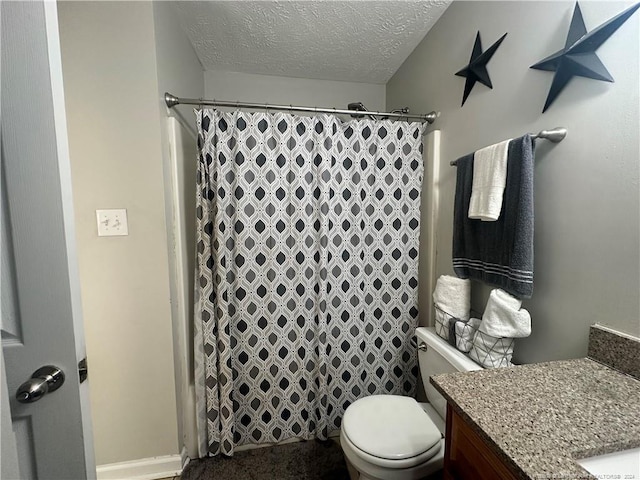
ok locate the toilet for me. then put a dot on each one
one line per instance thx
(391, 437)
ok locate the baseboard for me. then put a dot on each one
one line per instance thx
(143, 469)
(184, 457)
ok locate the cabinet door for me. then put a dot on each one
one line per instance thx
(467, 456)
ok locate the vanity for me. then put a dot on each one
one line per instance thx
(538, 421)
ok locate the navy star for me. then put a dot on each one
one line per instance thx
(476, 71)
(578, 57)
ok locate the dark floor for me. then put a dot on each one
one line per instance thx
(311, 460)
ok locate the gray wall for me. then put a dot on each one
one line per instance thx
(179, 72)
(111, 90)
(587, 204)
(291, 91)
(179, 69)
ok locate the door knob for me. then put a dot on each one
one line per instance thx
(44, 380)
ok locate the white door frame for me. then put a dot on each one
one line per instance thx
(64, 165)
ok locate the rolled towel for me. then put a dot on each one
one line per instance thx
(503, 316)
(453, 296)
(491, 352)
(489, 181)
(465, 332)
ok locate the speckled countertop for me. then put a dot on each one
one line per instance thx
(541, 418)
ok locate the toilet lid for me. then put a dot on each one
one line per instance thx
(390, 427)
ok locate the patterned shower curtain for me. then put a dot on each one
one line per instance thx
(307, 263)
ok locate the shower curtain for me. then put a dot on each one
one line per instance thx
(306, 276)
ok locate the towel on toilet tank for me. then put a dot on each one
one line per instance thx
(452, 299)
(503, 316)
(453, 296)
(465, 333)
(491, 352)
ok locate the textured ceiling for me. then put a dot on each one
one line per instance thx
(356, 40)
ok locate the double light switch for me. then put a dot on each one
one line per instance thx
(112, 222)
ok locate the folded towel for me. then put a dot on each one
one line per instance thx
(503, 316)
(452, 298)
(499, 253)
(465, 332)
(491, 352)
(489, 180)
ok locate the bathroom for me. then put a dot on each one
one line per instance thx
(118, 60)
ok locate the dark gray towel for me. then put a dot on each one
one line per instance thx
(499, 253)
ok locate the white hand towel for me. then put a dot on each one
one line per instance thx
(453, 296)
(489, 180)
(465, 333)
(503, 316)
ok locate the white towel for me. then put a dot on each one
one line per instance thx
(453, 295)
(491, 352)
(489, 180)
(503, 316)
(465, 333)
(452, 298)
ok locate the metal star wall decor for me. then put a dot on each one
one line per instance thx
(578, 57)
(476, 70)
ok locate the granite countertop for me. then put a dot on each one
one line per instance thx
(541, 418)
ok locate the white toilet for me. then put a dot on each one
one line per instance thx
(390, 437)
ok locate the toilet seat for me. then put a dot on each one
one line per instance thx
(391, 431)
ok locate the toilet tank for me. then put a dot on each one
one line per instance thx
(439, 357)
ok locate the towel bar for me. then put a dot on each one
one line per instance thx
(554, 135)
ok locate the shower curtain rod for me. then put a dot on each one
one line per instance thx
(554, 135)
(172, 101)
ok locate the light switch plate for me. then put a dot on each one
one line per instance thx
(112, 222)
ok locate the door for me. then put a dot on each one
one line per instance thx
(41, 316)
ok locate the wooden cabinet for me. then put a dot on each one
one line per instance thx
(467, 456)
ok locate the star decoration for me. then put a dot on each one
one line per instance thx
(476, 71)
(578, 57)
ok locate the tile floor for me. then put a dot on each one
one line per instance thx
(311, 460)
